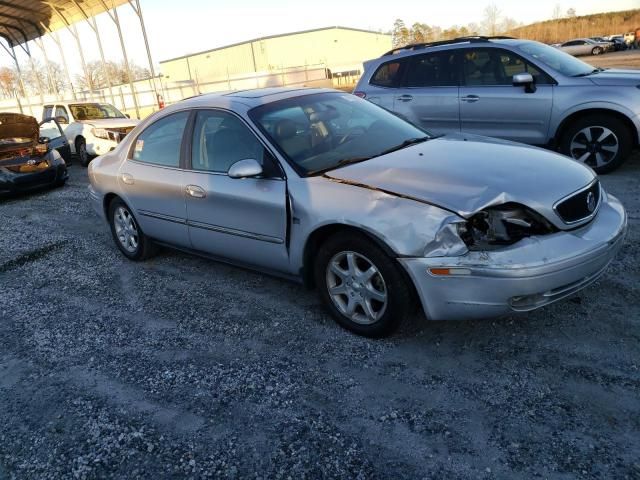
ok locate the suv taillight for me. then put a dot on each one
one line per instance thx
(360, 94)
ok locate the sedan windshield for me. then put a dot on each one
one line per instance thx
(324, 131)
(95, 111)
(557, 59)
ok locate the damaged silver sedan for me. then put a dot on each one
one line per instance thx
(326, 188)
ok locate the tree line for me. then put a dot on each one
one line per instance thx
(50, 78)
(562, 26)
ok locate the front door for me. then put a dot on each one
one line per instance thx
(152, 180)
(429, 96)
(242, 220)
(490, 105)
(51, 130)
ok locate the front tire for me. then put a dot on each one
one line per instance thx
(127, 234)
(596, 51)
(81, 150)
(363, 288)
(601, 141)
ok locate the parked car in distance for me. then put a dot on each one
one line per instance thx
(31, 155)
(513, 89)
(323, 187)
(618, 42)
(585, 46)
(91, 128)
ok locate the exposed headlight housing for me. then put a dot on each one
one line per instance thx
(502, 225)
(100, 133)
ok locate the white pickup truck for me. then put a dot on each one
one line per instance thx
(91, 128)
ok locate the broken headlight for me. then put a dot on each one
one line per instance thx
(502, 225)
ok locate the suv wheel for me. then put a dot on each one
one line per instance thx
(363, 288)
(600, 141)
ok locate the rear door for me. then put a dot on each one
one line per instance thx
(152, 180)
(490, 105)
(429, 94)
(243, 220)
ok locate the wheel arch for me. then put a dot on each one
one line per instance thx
(321, 234)
(106, 202)
(569, 119)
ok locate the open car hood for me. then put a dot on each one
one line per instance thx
(467, 173)
(18, 133)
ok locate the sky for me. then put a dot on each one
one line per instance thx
(179, 27)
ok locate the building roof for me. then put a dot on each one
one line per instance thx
(25, 20)
(273, 36)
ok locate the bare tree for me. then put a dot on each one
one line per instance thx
(571, 13)
(8, 82)
(491, 22)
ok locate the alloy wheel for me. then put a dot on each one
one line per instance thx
(126, 229)
(356, 287)
(595, 146)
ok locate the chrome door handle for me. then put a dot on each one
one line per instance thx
(470, 98)
(195, 191)
(405, 98)
(127, 178)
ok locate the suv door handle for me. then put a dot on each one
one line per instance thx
(195, 191)
(405, 98)
(470, 98)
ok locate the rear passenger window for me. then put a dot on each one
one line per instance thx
(159, 143)
(432, 70)
(387, 75)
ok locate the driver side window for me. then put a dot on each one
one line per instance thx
(221, 139)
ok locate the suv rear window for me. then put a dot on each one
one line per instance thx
(388, 74)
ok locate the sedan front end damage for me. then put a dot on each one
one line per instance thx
(533, 272)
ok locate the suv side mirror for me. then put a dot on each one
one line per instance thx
(44, 140)
(245, 169)
(62, 120)
(524, 80)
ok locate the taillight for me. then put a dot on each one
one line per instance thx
(360, 94)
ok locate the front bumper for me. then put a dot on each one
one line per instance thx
(96, 202)
(522, 277)
(99, 146)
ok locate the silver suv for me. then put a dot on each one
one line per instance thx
(513, 89)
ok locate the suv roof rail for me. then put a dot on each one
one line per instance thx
(472, 38)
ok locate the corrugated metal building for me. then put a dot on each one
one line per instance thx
(339, 49)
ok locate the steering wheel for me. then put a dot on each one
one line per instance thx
(353, 132)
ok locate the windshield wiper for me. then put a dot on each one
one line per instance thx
(405, 144)
(595, 70)
(341, 163)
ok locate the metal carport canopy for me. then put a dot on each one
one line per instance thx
(25, 20)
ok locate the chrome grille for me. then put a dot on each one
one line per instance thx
(581, 205)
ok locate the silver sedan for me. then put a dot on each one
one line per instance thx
(330, 190)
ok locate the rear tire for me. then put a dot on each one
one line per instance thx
(127, 234)
(601, 141)
(363, 288)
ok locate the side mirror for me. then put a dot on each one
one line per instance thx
(127, 115)
(62, 120)
(524, 80)
(44, 140)
(245, 169)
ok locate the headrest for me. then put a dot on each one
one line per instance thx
(285, 129)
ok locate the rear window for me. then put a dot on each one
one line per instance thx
(388, 74)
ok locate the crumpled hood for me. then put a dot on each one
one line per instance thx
(111, 123)
(17, 133)
(616, 77)
(467, 173)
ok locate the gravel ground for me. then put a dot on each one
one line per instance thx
(185, 368)
(625, 59)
